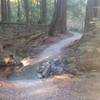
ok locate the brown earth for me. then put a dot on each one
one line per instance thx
(65, 87)
(85, 55)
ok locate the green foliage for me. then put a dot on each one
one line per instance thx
(76, 8)
(50, 5)
(34, 6)
(76, 13)
(36, 12)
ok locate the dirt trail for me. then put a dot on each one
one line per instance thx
(86, 87)
(53, 51)
(64, 87)
(56, 48)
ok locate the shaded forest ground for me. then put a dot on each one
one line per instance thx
(85, 54)
(85, 87)
(84, 57)
(26, 43)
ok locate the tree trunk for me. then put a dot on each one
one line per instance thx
(58, 24)
(98, 9)
(43, 11)
(91, 12)
(8, 11)
(3, 10)
(19, 12)
(26, 7)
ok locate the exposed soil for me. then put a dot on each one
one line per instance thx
(65, 87)
(25, 45)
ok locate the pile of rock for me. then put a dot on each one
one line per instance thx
(50, 67)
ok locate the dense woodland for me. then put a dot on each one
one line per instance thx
(41, 39)
(32, 18)
(39, 11)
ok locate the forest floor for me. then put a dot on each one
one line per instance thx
(86, 56)
(65, 87)
(26, 45)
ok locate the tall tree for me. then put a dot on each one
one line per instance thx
(3, 10)
(19, 11)
(98, 9)
(43, 11)
(8, 11)
(58, 23)
(26, 7)
(91, 12)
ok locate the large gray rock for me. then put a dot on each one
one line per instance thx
(51, 67)
(57, 67)
(44, 69)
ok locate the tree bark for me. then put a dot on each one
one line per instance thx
(58, 24)
(8, 11)
(26, 7)
(3, 10)
(19, 11)
(43, 11)
(91, 12)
